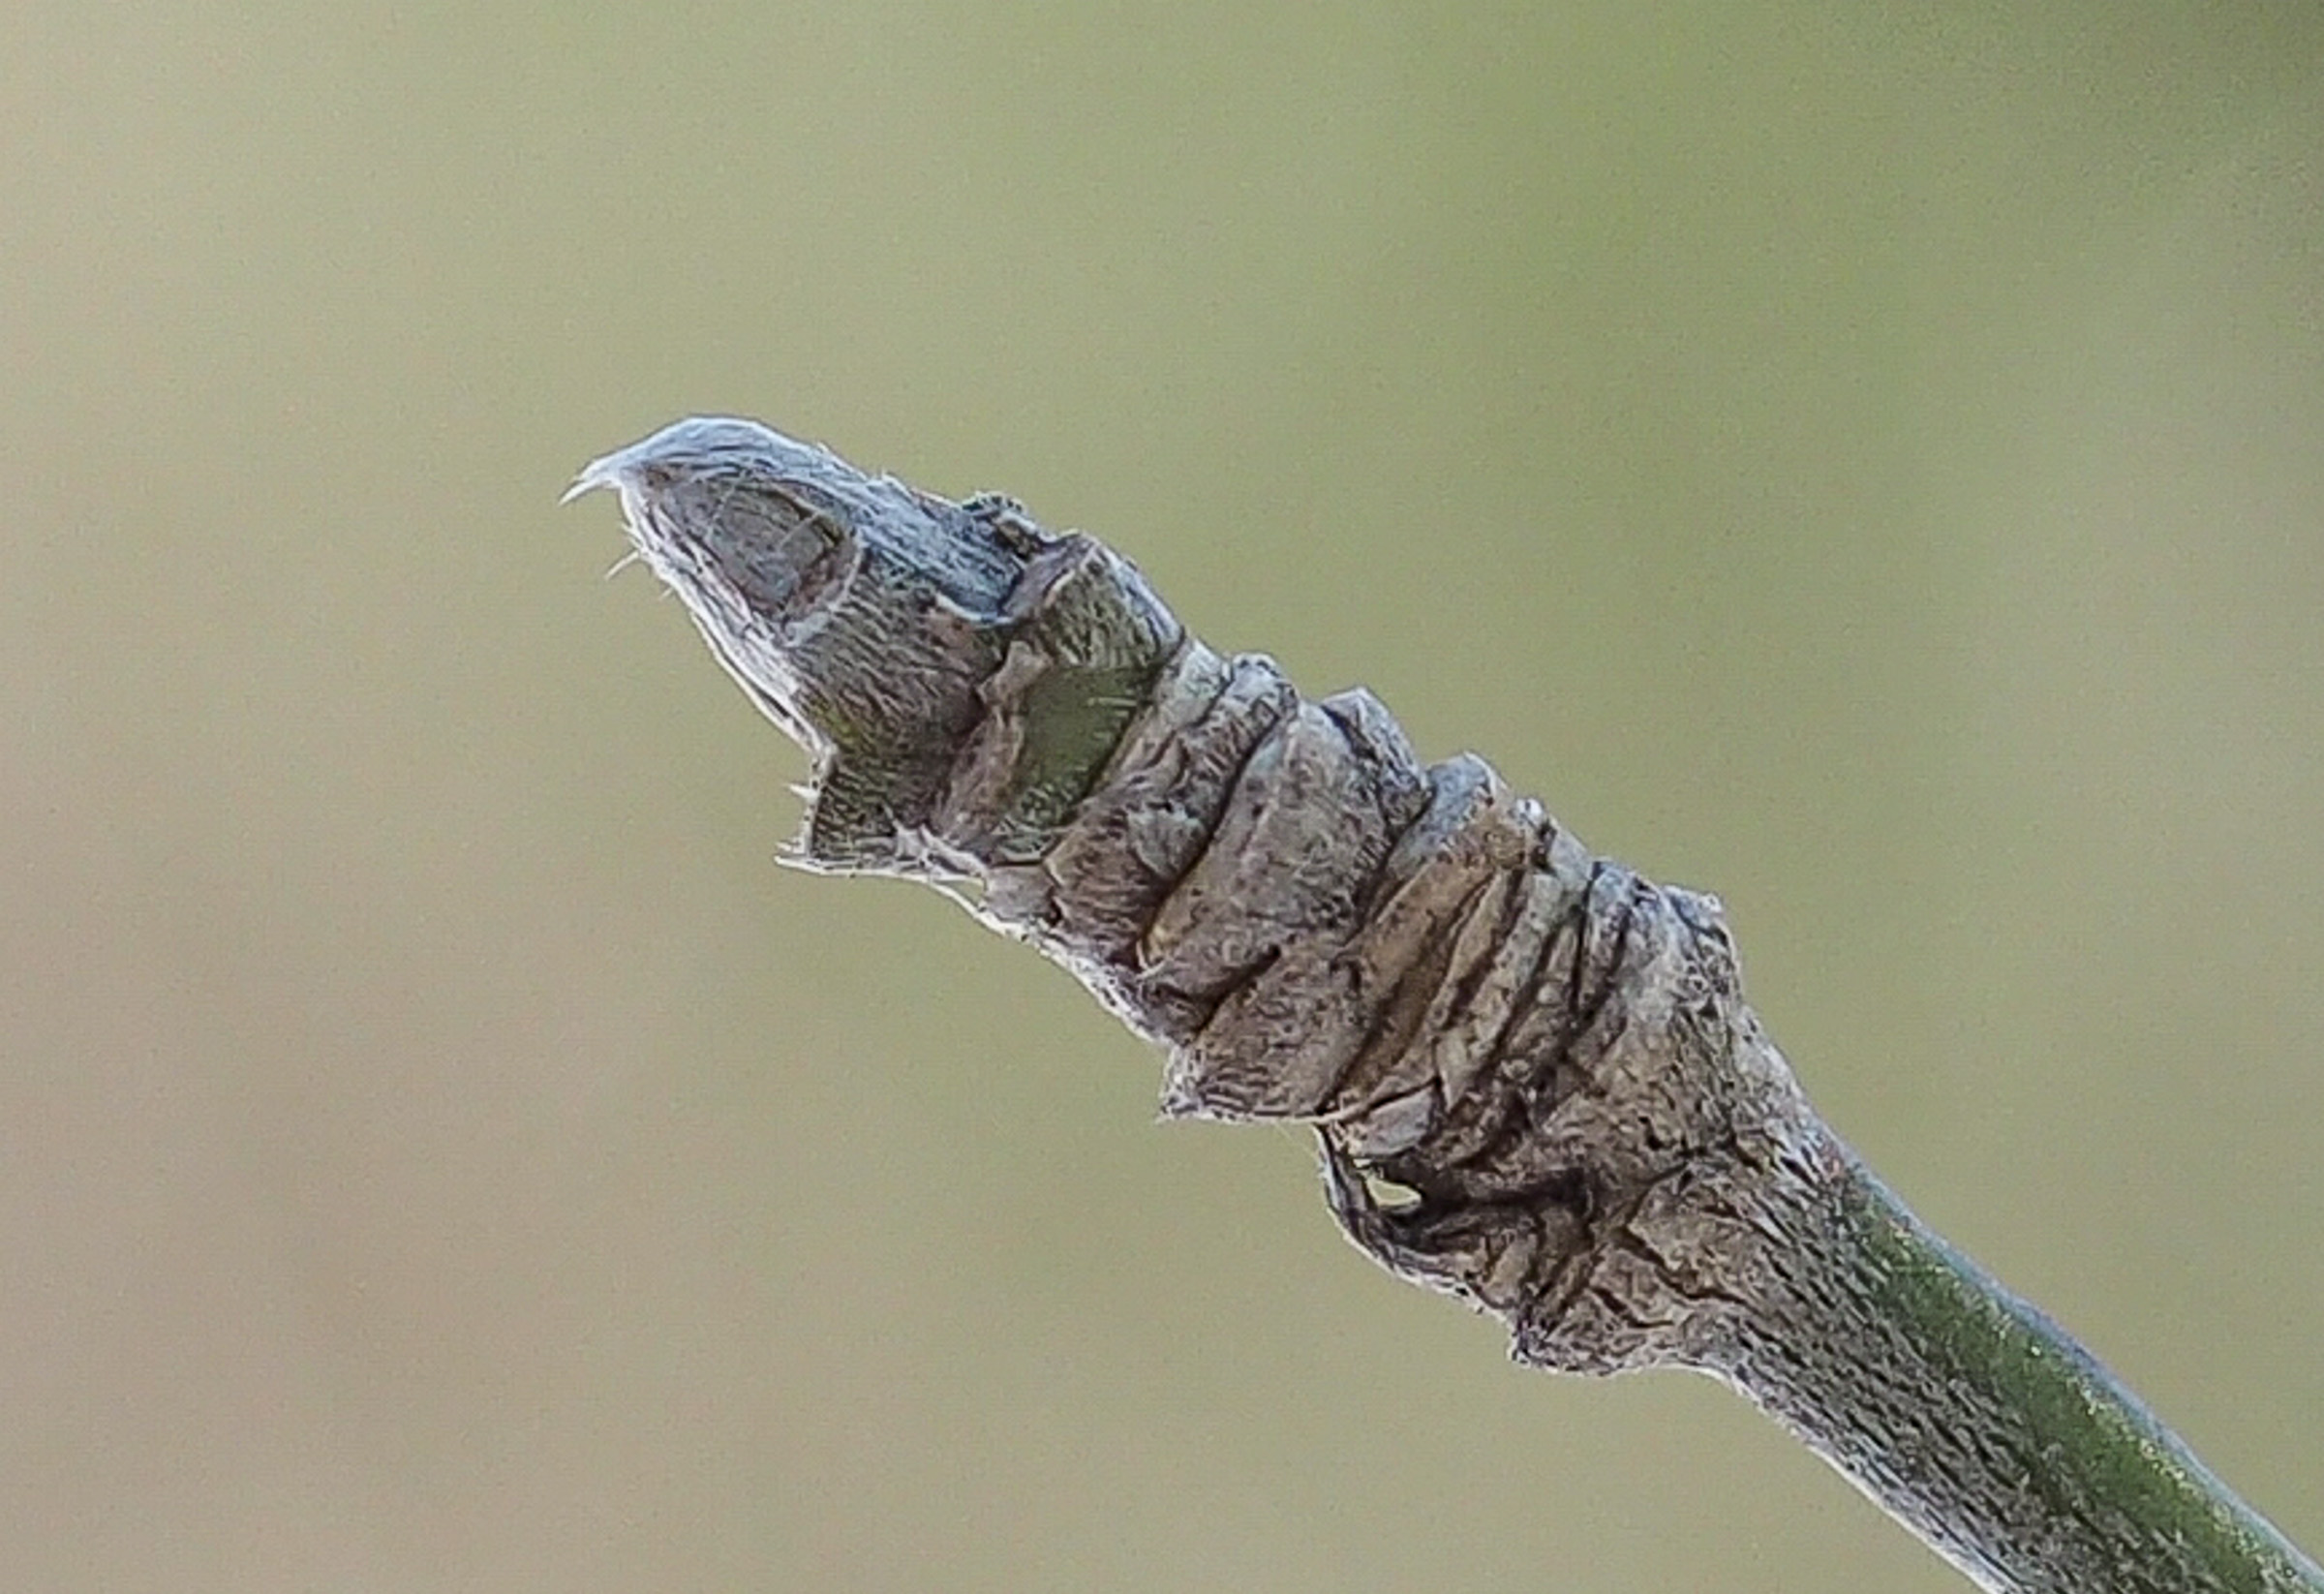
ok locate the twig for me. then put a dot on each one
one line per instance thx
(1550, 1056)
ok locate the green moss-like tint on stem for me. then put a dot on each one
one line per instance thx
(1073, 721)
(2095, 1452)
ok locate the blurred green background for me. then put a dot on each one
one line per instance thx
(1866, 460)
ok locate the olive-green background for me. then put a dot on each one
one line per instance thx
(1867, 460)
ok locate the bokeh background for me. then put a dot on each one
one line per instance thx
(1867, 460)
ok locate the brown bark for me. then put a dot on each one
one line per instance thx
(1548, 1056)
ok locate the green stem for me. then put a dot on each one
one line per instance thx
(1979, 1422)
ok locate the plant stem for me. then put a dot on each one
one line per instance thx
(1979, 1422)
(1549, 1054)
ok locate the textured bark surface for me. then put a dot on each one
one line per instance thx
(1550, 1056)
